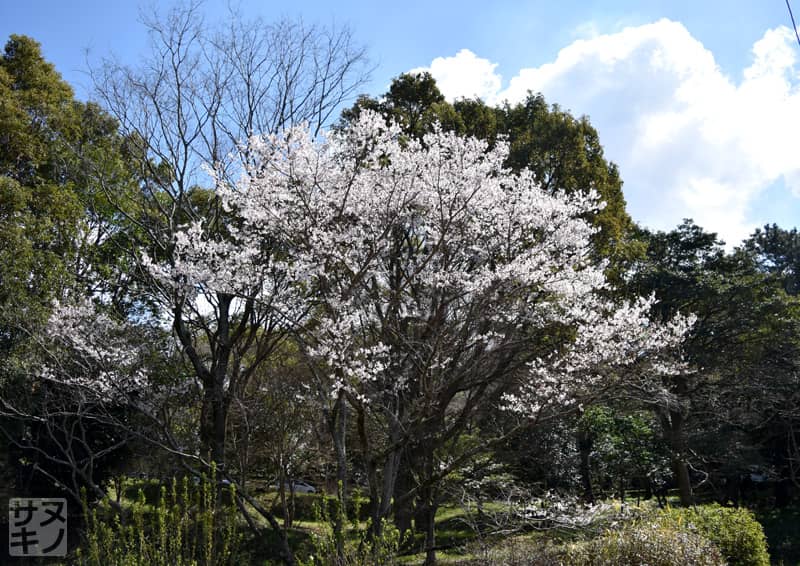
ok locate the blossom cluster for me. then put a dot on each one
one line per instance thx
(400, 256)
(104, 358)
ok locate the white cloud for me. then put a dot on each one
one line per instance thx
(464, 75)
(689, 140)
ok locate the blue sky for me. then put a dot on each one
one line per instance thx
(697, 102)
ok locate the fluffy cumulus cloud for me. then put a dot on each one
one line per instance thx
(690, 141)
(465, 75)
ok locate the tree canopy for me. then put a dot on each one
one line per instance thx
(562, 151)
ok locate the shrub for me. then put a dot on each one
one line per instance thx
(709, 535)
(186, 527)
(516, 551)
(657, 543)
(736, 532)
(650, 543)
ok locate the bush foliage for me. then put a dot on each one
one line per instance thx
(735, 531)
(657, 543)
(188, 526)
(707, 535)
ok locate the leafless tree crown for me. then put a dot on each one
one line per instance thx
(203, 90)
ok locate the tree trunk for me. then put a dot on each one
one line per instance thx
(286, 504)
(207, 422)
(220, 428)
(584, 442)
(391, 470)
(430, 508)
(681, 471)
(430, 541)
(647, 482)
(426, 513)
(213, 417)
(404, 507)
(673, 422)
(340, 443)
(338, 426)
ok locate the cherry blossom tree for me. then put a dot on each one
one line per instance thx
(422, 282)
